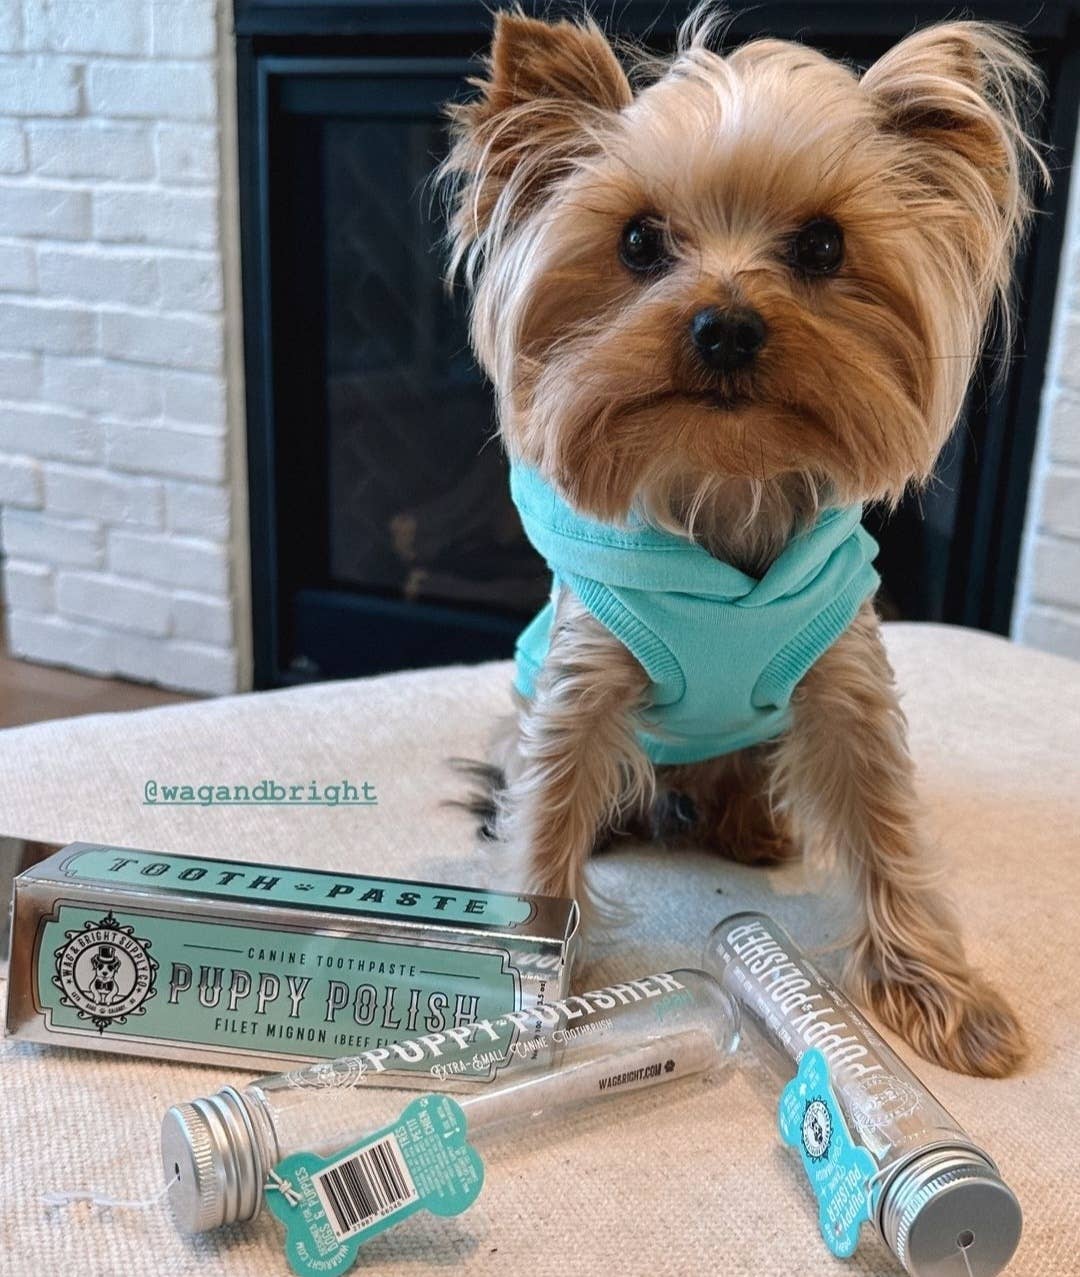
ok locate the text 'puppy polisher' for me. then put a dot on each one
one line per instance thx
(876, 1144)
(339, 1157)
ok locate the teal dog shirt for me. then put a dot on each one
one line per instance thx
(723, 651)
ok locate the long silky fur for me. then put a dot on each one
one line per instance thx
(927, 162)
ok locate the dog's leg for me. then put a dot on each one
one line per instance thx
(580, 763)
(845, 777)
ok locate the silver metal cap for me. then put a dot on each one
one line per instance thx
(213, 1158)
(949, 1214)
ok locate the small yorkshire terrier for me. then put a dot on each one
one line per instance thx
(725, 302)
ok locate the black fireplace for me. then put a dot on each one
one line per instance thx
(382, 536)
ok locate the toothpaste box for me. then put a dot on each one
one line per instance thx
(261, 966)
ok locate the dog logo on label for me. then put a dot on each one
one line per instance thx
(105, 972)
(816, 1129)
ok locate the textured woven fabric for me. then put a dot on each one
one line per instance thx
(690, 1179)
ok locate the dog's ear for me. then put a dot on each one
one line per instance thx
(966, 92)
(549, 91)
(533, 61)
(955, 103)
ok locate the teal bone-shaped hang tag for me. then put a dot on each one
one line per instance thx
(839, 1170)
(331, 1206)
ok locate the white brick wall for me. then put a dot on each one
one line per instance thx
(118, 383)
(1047, 611)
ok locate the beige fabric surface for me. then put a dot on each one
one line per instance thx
(682, 1180)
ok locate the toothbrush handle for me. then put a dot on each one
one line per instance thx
(547, 1094)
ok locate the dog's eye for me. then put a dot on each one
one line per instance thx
(818, 247)
(643, 247)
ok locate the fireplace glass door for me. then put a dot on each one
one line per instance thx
(398, 544)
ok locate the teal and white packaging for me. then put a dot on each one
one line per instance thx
(257, 966)
(339, 1160)
(876, 1145)
(331, 1206)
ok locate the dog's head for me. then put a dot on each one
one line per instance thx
(105, 964)
(758, 268)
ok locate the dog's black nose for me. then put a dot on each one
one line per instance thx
(728, 339)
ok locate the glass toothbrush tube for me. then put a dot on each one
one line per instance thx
(938, 1200)
(217, 1151)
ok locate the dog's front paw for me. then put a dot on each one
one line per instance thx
(961, 1024)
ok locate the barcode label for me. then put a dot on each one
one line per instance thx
(365, 1188)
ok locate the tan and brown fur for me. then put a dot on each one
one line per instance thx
(925, 163)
